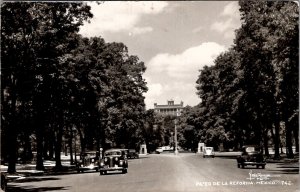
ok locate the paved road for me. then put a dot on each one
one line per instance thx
(170, 173)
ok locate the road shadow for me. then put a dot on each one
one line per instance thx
(286, 171)
(286, 168)
(36, 179)
(226, 157)
(113, 173)
(143, 157)
(252, 167)
(33, 189)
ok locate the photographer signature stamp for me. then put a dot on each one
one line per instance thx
(254, 178)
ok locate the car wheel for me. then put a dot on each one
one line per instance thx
(263, 166)
(124, 171)
(3, 183)
(257, 166)
(238, 165)
(97, 169)
(243, 166)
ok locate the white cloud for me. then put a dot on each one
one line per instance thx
(231, 9)
(116, 16)
(223, 26)
(187, 63)
(176, 91)
(140, 30)
(230, 20)
(173, 76)
(155, 89)
(198, 29)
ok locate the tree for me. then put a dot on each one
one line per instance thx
(107, 85)
(273, 26)
(188, 128)
(244, 95)
(33, 36)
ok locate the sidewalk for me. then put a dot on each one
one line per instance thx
(29, 169)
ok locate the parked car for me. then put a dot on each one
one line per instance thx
(3, 181)
(114, 160)
(132, 154)
(251, 155)
(10, 177)
(88, 161)
(208, 152)
(164, 148)
(159, 150)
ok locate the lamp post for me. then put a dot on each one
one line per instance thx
(74, 129)
(175, 134)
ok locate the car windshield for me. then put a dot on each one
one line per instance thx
(110, 153)
(208, 148)
(89, 154)
(250, 149)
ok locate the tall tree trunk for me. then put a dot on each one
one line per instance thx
(296, 132)
(39, 126)
(39, 148)
(12, 148)
(51, 145)
(289, 143)
(266, 143)
(12, 133)
(276, 138)
(46, 147)
(27, 147)
(296, 137)
(71, 146)
(82, 141)
(58, 143)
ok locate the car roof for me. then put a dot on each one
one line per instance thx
(90, 152)
(115, 150)
(256, 146)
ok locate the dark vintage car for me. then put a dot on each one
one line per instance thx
(114, 160)
(208, 152)
(11, 177)
(251, 155)
(132, 154)
(88, 161)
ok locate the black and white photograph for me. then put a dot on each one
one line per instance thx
(149, 96)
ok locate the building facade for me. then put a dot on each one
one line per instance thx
(169, 109)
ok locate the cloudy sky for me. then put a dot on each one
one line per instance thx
(175, 40)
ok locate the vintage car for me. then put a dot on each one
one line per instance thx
(251, 155)
(114, 160)
(132, 154)
(159, 150)
(208, 152)
(11, 177)
(3, 181)
(88, 161)
(163, 149)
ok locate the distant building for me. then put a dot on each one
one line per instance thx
(169, 109)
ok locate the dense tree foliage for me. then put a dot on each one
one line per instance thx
(252, 90)
(33, 35)
(57, 85)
